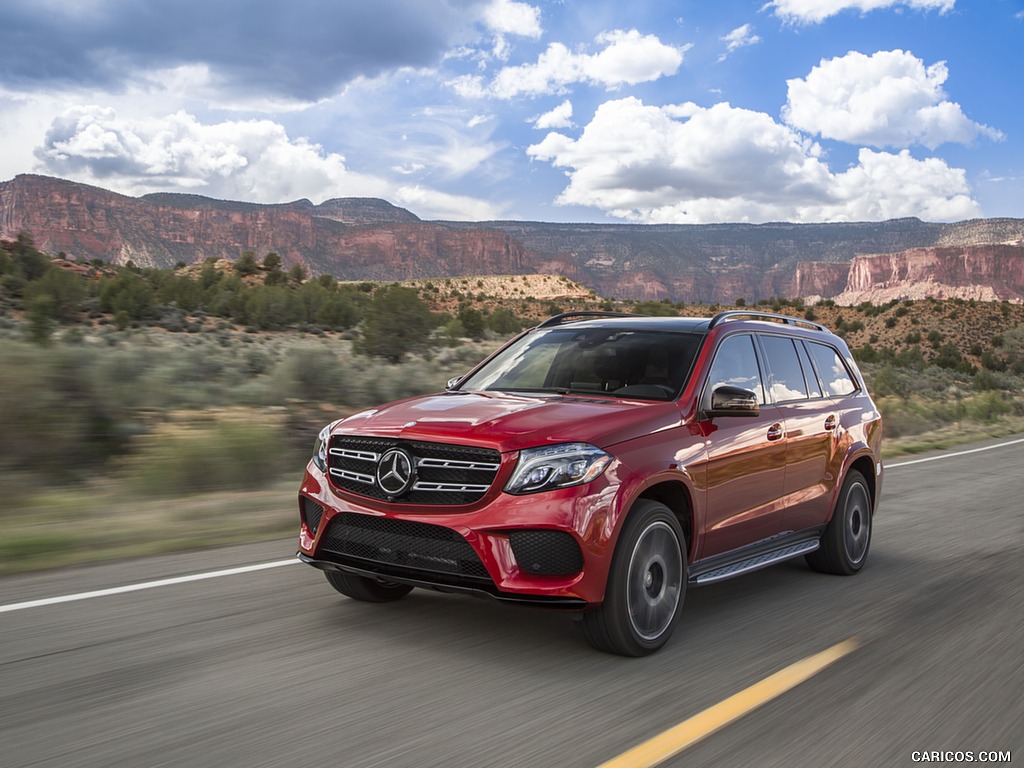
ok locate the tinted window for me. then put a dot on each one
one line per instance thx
(736, 365)
(787, 377)
(813, 385)
(832, 369)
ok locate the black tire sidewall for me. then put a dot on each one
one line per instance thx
(642, 517)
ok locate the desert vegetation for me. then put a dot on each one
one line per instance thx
(145, 409)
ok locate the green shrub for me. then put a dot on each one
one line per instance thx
(178, 461)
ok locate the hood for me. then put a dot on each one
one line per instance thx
(510, 422)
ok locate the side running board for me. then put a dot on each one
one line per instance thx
(756, 562)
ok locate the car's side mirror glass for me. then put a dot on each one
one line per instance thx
(732, 401)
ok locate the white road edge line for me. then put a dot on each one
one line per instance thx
(145, 585)
(953, 455)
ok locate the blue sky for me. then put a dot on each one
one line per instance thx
(557, 110)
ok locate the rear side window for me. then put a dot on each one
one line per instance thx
(736, 365)
(833, 371)
(786, 376)
(813, 386)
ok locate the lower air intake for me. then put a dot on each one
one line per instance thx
(312, 512)
(546, 553)
(400, 546)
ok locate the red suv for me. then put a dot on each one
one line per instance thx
(602, 463)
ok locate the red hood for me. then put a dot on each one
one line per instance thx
(510, 422)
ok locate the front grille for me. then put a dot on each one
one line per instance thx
(312, 512)
(546, 553)
(444, 475)
(401, 546)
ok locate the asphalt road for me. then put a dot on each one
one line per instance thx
(273, 668)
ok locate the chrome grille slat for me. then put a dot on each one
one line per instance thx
(450, 487)
(357, 477)
(452, 464)
(357, 455)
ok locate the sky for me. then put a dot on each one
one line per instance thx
(647, 111)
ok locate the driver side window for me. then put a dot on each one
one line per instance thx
(736, 365)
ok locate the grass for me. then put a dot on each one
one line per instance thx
(68, 527)
(951, 436)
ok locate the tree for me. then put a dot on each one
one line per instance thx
(41, 321)
(246, 264)
(272, 261)
(128, 293)
(396, 322)
(298, 274)
(472, 323)
(275, 277)
(65, 290)
(503, 322)
(272, 307)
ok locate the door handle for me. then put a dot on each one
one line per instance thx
(830, 423)
(775, 432)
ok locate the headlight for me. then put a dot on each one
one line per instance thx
(556, 466)
(320, 448)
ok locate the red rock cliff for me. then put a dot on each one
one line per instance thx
(983, 272)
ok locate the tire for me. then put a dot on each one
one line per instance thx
(646, 584)
(366, 590)
(847, 538)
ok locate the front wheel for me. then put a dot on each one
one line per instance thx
(366, 590)
(844, 545)
(646, 584)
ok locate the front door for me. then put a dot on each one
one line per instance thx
(746, 457)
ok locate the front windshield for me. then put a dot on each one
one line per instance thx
(618, 362)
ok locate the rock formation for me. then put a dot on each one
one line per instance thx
(368, 239)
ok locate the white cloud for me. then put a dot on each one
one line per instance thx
(431, 204)
(468, 86)
(888, 99)
(816, 11)
(738, 38)
(690, 164)
(476, 120)
(408, 169)
(241, 160)
(559, 117)
(512, 18)
(627, 58)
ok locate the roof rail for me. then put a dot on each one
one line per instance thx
(567, 316)
(740, 314)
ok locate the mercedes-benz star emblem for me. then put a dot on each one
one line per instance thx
(395, 472)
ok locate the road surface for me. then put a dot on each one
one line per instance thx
(273, 668)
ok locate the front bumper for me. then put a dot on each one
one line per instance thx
(425, 582)
(547, 549)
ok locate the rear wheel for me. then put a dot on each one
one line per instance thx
(366, 590)
(845, 543)
(646, 584)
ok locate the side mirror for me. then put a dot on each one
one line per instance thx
(452, 383)
(732, 401)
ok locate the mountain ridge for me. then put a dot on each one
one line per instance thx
(372, 239)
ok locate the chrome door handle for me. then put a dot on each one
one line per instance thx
(775, 432)
(830, 423)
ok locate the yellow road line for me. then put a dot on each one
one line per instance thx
(689, 732)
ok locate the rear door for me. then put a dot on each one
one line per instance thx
(811, 422)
